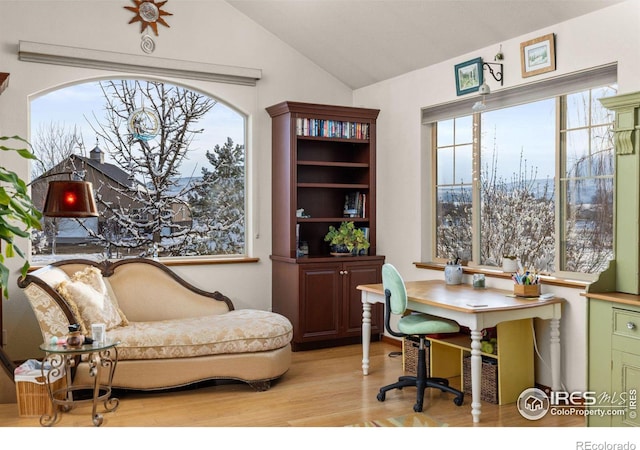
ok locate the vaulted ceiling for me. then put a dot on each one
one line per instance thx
(365, 41)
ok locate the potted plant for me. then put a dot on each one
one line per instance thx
(18, 215)
(346, 239)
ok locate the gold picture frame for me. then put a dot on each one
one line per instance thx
(538, 55)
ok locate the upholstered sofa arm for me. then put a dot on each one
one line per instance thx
(52, 311)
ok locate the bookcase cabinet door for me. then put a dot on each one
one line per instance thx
(320, 301)
(357, 274)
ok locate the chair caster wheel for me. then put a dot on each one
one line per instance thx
(458, 401)
(417, 408)
(381, 396)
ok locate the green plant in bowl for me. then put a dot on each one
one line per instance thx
(347, 239)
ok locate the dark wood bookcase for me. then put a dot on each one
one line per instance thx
(322, 156)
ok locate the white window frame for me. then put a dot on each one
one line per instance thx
(553, 87)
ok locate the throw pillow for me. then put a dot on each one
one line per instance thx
(93, 277)
(92, 305)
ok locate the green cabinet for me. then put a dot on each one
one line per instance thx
(614, 359)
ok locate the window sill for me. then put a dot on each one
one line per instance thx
(201, 261)
(497, 273)
(177, 261)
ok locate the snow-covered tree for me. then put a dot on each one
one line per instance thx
(222, 191)
(52, 144)
(518, 217)
(149, 127)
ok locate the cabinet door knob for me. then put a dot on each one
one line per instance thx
(631, 325)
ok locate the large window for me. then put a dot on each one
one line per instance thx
(167, 164)
(532, 181)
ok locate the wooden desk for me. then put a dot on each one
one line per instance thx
(474, 308)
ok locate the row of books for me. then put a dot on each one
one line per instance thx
(331, 128)
(355, 204)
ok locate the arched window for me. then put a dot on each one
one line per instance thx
(167, 165)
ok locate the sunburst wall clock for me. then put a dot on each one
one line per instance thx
(149, 14)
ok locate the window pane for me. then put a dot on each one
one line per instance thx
(453, 225)
(464, 130)
(167, 168)
(577, 153)
(464, 164)
(578, 108)
(588, 225)
(445, 133)
(454, 172)
(602, 157)
(589, 157)
(445, 165)
(517, 172)
(599, 114)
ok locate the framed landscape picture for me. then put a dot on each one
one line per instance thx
(468, 76)
(538, 55)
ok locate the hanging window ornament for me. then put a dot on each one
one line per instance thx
(143, 124)
(149, 14)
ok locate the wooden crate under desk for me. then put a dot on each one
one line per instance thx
(489, 380)
(410, 346)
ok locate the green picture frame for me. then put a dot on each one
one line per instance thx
(468, 76)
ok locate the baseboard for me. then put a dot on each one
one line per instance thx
(393, 341)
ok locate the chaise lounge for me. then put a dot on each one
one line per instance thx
(171, 333)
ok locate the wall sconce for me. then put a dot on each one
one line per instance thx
(484, 88)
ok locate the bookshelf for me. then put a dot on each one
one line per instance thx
(323, 173)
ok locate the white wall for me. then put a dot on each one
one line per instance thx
(607, 36)
(204, 31)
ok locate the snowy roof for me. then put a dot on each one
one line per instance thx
(109, 170)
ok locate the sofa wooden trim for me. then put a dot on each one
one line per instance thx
(108, 268)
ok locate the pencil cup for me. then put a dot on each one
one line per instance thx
(453, 274)
(526, 290)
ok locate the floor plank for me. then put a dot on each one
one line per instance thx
(323, 388)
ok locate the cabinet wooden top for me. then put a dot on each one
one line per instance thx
(462, 297)
(615, 297)
(316, 110)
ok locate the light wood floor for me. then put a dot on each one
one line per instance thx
(323, 388)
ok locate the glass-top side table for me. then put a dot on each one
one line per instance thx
(60, 358)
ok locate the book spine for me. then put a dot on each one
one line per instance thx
(331, 128)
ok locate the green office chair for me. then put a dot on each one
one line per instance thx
(414, 325)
